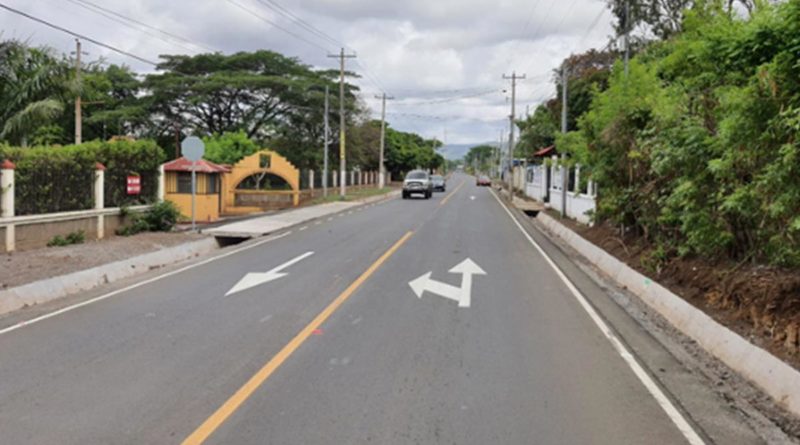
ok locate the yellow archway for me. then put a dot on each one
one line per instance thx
(264, 161)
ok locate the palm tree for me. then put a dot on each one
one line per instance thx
(33, 87)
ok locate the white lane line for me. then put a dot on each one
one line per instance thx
(318, 223)
(652, 387)
(265, 319)
(302, 228)
(330, 219)
(350, 212)
(135, 285)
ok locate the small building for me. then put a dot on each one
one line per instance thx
(178, 187)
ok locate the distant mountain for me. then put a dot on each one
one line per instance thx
(458, 151)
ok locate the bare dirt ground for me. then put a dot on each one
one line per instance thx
(19, 268)
(761, 303)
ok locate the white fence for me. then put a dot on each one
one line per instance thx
(545, 184)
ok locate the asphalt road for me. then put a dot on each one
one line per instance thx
(342, 351)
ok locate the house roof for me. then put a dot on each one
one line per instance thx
(202, 166)
(551, 150)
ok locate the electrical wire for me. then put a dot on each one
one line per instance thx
(277, 26)
(125, 23)
(80, 36)
(280, 9)
(171, 35)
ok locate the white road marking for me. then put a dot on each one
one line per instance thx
(265, 319)
(318, 223)
(254, 279)
(472, 198)
(462, 295)
(302, 228)
(136, 285)
(652, 387)
(330, 219)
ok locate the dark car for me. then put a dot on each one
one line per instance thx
(483, 180)
(417, 182)
(439, 184)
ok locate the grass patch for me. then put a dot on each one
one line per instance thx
(352, 195)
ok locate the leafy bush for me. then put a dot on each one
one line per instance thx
(72, 238)
(160, 217)
(58, 179)
(698, 148)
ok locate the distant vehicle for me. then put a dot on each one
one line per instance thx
(417, 182)
(439, 184)
(483, 180)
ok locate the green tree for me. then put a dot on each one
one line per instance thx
(34, 85)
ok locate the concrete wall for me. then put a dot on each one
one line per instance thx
(34, 236)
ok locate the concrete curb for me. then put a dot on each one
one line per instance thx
(353, 205)
(42, 291)
(776, 378)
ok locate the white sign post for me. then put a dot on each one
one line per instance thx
(193, 149)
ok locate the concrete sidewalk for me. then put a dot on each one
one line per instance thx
(272, 223)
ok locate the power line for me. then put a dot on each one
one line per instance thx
(169, 34)
(308, 27)
(280, 9)
(75, 34)
(122, 20)
(270, 22)
(451, 99)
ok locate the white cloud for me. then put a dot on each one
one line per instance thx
(413, 48)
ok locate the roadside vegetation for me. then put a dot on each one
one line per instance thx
(696, 152)
(239, 103)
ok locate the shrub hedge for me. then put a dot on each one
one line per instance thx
(59, 179)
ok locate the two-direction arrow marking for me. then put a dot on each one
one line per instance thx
(462, 295)
(254, 279)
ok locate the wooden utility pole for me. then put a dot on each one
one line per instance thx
(564, 170)
(512, 175)
(78, 107)
(342, 162)
(327, 142)
(381, 168)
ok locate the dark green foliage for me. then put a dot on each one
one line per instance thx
(58, 179)
(160, 217)
(72, 238)
(698, 149)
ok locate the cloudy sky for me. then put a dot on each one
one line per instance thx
(442, 60)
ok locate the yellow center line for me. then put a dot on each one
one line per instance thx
(204, 431)
(444, 201)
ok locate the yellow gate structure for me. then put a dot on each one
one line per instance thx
(262, 181)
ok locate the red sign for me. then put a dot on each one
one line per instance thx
(134, 185)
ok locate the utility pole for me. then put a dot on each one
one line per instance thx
(512, 178)
(342, 161)
(500, 153)
(327, 142)
(78, 107)
(627, 36)
(564, 171)
(381, 168)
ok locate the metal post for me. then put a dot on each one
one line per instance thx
(194, 193)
